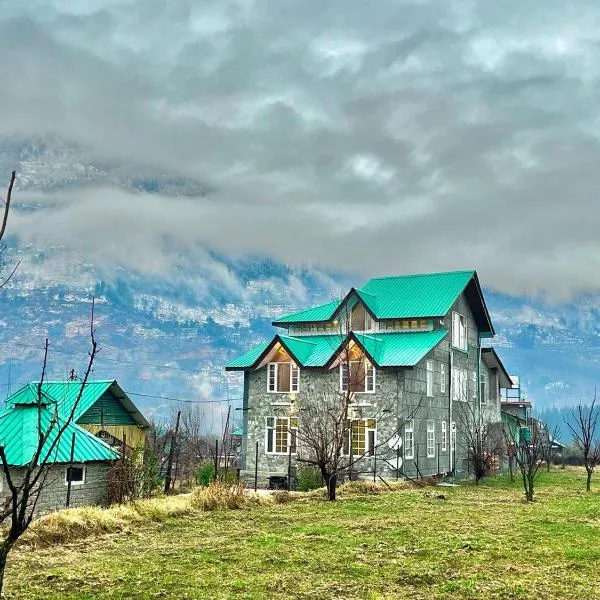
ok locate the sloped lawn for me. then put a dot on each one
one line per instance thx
(467, 542)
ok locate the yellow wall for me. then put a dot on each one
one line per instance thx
(135, 436)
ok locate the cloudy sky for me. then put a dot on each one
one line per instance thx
(373, 137)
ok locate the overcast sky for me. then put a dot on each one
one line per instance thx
(373, 137)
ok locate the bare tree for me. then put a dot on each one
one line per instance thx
(334, 433)
(483, 441)
(585, 429)
(25, 489)
(548, 441)
(527, 443)
(4, 223)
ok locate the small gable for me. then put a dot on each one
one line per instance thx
(107, 410)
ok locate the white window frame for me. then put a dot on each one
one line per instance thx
(483, 384)
(273, 375)
(291, 432)
(444, 436)
(75, 466)
(369, 379)
(459, 331)
(460, 385)
(430, 438)
(409, 433)
(369, 451)
(429, 367)
(442, 378)
(453, 436)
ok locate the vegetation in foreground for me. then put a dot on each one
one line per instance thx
(466, 542)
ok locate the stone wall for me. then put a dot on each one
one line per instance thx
(54, 493)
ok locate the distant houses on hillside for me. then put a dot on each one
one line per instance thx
(414, 352)
(104, 421)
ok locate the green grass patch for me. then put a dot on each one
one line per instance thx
(466, 542)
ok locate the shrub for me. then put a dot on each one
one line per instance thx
(309, 479)
(205, 473)
(283, 497)
(219, 495)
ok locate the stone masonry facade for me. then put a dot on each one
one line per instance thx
(54, 493)
(400, 394)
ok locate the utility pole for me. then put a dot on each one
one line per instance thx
(171, 454)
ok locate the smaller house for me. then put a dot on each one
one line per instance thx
(103, 421)
(78, 457)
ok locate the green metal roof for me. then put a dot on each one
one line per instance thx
(386, 349)
(323, 312)
(413, 296)
(65, 393)
(19, 431)
(400, 349)
(405, 297)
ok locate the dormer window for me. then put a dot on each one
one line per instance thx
(360, 319)
(283, 377)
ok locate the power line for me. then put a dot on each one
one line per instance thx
(223, 400)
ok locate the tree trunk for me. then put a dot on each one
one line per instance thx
(511, 470)
(4, 550)
(588, 483)
(548, 466)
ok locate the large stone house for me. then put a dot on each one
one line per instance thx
(409, 347)
(79, 462)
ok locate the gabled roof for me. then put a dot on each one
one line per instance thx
(426, 295)
(65, 393)
(492, 360)
(384, 350)
(19, 430)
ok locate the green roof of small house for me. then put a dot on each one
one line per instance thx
(385, 349)
(21, 423)
(404, 297)
(65, 393)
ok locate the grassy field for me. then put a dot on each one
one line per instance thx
(475, 542)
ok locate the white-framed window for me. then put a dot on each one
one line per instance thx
(430, 379)
(444, 436)
(430, 439)
(483, 387)
(453, 435)
(357, 376)
(460, 384)
(409, 439)
(362, 437)
(283, 377)
(280, 435)
(459, 331)
(442, 378)
(75, 475)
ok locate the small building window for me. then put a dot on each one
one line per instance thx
(482, 388)
(453, 436)
(75, 475)
(281, 435)
(443, 378)
(430, 439)
(460, 385)
(409, 440)
(430, 379)
(459, 331)
(357, 377)
(283, 377)
(444, 436)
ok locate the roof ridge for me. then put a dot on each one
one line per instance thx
(408, 275)
(295, 338)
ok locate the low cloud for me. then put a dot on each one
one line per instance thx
(406, 137)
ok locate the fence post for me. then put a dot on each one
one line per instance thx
(374, 468)
(216, 458)
(289, 481)
(438, 455)
(70, 470)
(256, 468)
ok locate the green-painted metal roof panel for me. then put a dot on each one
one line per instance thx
(414, 296)
(65, 394)
(401, 349)
(323, 312)
(19, 433)
(247, 359)
(386, 349)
